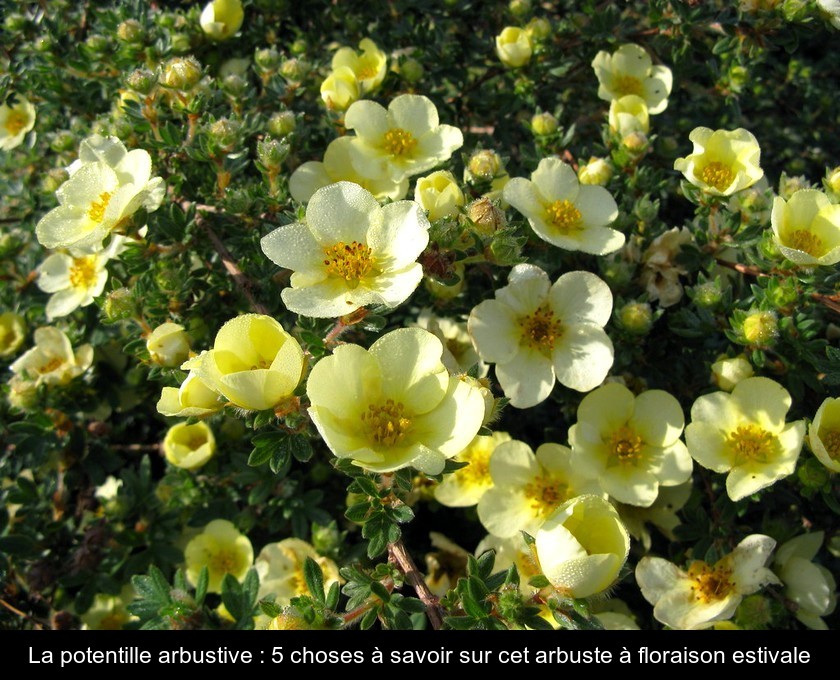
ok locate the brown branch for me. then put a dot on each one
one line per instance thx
(21, 614)
(399, 555)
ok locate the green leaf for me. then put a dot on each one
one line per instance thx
(232, 596)
(300, 447)
(280, 461)
(539, 581)
(314, 580)
(201, 586)
(461, 622)
(333, 596)
(368, 619)
(260, 456)
(22, 546)
(358, 512)
(367, 486)
(473, 608)
(377, 545)
(380, 591)
(270, 608)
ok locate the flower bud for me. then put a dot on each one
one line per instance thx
(635, 142)
(130, 31)
(538, 29)
(832, 181)
(294, 70)
(728, 372)
(141, 80)
(119, 304)
(411, 70)
(519, 8)
(486, 216)
(340, 89)
(760, 328)
(220, 19)
(636, 317)
(267, 59)
(513, 47)
(234, 85)
(15, 23)
(271, 153)
(597, 171)
(181, 73)
(282, 124)
(443, 291)
(225, 133)
(707, 295)
(484, 164)
(12, 333)
(189, 447)
(439, 194)
(98, 44)
(53, 179)
(544, 123)
(168, 345)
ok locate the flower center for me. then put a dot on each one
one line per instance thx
(96, 212)
(717, 175)
(50, 366)
(222, 562)
(399, 142)
(831, 442)
(710, 583)
(541, 330)
(751, 443)
(15, 122)
(367, 71)
(624, 85)
(349, 261)
(386, 424)
(564, 215)
(625, 446)
(545, 493)
(196, 442)
(477, 472)
(83, 272)
(804, 240)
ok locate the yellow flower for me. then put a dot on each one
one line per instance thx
(629, 114)
(537, 332)
(595, 171)
(824, 434)
(15, 121)
(194, 399)
(513, 47)
(439, 194)
(189, 446)
(340, 89)
(75, 279)
(563, 212)
(280, 568)
(528, 488)
(350, 252)
(807, 228)
(12, 333)
(582, 546)
(745, 434)
(223, 550)
(631, 444)
(459, 355)
(393, 405)
(107, 185)
(467, 485)
(52, 361)
(254, 363)
(338, 167)
(704, 595)
(722, 161)
(168, 344)
(811, 586)
(405, 140)
(369, 67)
(629, 70)
(220, 19)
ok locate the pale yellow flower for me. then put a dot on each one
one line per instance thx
(745, 434)
(12, 333)
(403, 140)
(824, 434)
(729, 371)
(369, 67)
(340, 88)
(189, 446)
(722, 161)
(75, 279)
(350, 252)
(527, 488)
(439, 195)
(807, 228)
(280, 568)
(254, 363)
(393, 405)
(629, 70)
(15, 121)
(631, 444)
(811, 586)
(537, 332)
(193, 399)
(467, 485)
(704, 595)
(563, 212)
(223, 550)
(168, 344)
(459, 355)
(629, 114)
(52, 361)
(514, 47)
(582, 546)
(220, 19)
(595, 171)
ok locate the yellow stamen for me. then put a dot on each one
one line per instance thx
(717, 175)
(386, 424)
(625, 446)
(546, 493)
(751, 443)
(831, 442)
(564, 216)
(806, 241)
(541, 330)
(15, 122)
(477, 472)
(96, 212)
(624, 85)
(351, 262)
(399, 142)
(50, 366)
(710, 584)
(83, 272)
(222, 562)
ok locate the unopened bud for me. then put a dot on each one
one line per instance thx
(597, 171)
(272, 152)
(636, 317)
(486, 216)
(225, 132)
(282, 124)
(484, 164)
(519, 8)
(760, 328)
(411, 70)
(538, 28)
(141, 81)
(130, 31)
(181, 73)
(544, 124)
(120, 304)
(267, 59)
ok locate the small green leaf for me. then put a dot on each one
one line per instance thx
(201, 586)
(380, 591)
(260, 456)
(539, 581)
(314, 580)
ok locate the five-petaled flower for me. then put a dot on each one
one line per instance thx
(350, 252)
(722, 161)
(15, 121)
(629, 70)
(807, 228)
(535, 332)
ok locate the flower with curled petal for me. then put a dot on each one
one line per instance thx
(723, 161)
(563, 212)
(369, 67)
(629, 70)
(15, 121)
(403, 140)
(349, 252)
(807, 228)
(536, 331)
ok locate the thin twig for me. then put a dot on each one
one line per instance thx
(23, 615)
(403, 560)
